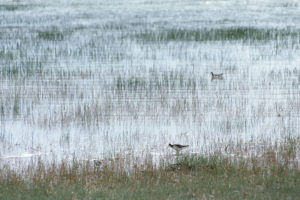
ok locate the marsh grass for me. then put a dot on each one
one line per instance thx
(26, 68)
(175, 94)
(243, 34)
(13, 7)
(119, 77)
(191, 177)
(16, 106)
(54, 33)
(171, 80)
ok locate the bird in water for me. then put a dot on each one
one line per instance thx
(216, 76)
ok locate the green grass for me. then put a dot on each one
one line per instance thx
(166, 80)
(28, 68)
(7, 7)
(244, 34)
(52, 34)
(192, 177)
(16, 106)
(6, 55)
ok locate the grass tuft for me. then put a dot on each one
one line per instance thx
(6, 7)
(52, 34)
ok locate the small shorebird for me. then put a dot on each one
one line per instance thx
(216, 76)
(178, 147)
(97, 164)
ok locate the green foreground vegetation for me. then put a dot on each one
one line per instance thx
(192, 177)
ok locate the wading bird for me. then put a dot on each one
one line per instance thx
(178, 147)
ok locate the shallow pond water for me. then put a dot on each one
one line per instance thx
(101, 79)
